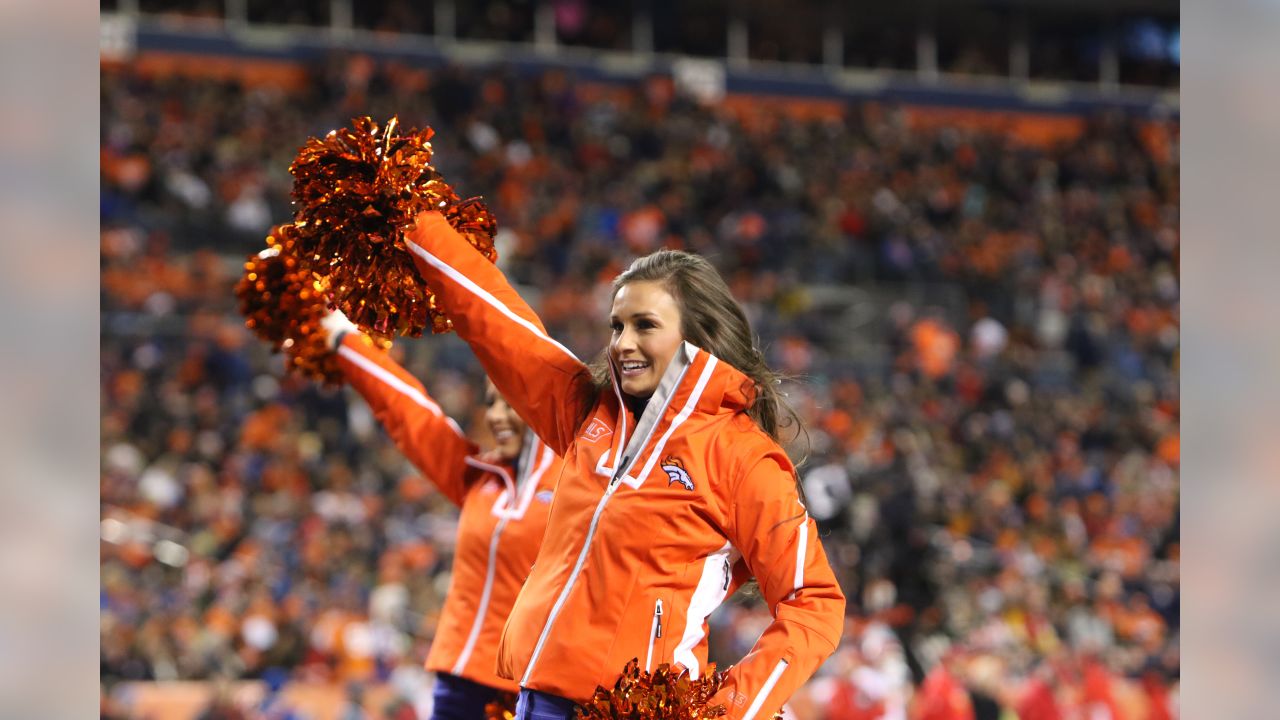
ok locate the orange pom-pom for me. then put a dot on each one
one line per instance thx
(358, 191)
(660, 695)
(283, 304)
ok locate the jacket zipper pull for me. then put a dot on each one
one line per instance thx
(654, 634)
(622, 468)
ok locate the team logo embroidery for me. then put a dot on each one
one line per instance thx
(676, 472)
(596, 430)
(544, 496)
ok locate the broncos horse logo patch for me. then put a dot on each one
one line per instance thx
(676, 472)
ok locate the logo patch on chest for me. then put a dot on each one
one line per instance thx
(544, 496)
(596, 430)
(676, 472)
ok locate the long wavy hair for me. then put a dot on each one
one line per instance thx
(712, 319)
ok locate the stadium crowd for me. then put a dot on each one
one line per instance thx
(992, 443)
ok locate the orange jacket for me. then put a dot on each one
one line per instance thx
(656, 519)
(504, 510)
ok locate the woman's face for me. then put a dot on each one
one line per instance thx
(646, 333)
(504, 423)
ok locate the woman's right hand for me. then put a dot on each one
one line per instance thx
(335, 325)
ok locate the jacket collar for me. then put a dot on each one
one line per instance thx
(515, 473)
(521, 478)
(695, 382)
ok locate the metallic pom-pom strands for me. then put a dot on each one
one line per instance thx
(661, 695)
(283, 304)
(357, 191)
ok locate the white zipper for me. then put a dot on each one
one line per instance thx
(465, 655)
(524, 472)
(618, 473)
(655, 632)
(577, 568)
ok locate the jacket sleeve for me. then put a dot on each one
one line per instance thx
(541, 379)
(779, 542)
(423, 433)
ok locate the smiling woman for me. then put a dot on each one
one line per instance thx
(671, 285)
(646, 334)
(674, 493)
(505, 425)
(499, 526)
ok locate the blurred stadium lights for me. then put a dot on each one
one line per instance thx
(165, 543)
(1109, 44)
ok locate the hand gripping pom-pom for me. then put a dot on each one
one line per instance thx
(663, 694)
(357, 192)
(283, 305)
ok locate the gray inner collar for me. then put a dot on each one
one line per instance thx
(657, 405)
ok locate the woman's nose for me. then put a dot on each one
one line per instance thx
(624, 341)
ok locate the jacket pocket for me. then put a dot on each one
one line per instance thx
(657, 628)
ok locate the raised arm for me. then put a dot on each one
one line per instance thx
(779, 543)
(432, 441)
(545, 383)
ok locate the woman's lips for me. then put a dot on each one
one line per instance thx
(631, 368)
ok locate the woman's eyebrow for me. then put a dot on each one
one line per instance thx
(636, 315)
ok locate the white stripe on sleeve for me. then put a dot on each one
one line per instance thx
(802, 554)
(388, 378)
(470, 285)
(764, 691)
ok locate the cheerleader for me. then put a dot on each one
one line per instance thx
(504, 496)
(675, 490)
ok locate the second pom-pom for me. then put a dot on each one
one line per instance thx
(284, 305)
(664, 694)
(357, 192)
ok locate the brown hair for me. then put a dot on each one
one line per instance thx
(714, 322)
(712, 319)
